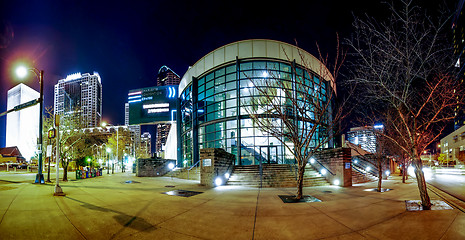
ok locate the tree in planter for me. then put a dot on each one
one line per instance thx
(402, 68)
(297, 108)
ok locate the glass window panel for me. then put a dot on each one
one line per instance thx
(231, 112)
(210, 84)
(285, 67)
(209, 92)
(231, 94)
(272, 65)
(259, 65)
(231, 69)
(231, 77)
(220, 72)
(231, 103)
(246, 66)
(230, 86)
(231, 124)
(201, 81)
(220, 80)
(219, 97)
(201, 96)
(209, 77)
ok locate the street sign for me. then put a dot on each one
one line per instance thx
(26, 104)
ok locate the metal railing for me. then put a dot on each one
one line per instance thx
(189, 169)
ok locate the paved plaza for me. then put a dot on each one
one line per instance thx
(122, 206)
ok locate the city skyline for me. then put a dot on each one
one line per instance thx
(127, 45)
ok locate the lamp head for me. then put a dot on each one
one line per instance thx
(21, 71)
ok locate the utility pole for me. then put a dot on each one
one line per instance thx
(58, 190)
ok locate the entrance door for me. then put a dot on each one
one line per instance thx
(269, 154)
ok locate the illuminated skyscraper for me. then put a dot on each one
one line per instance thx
(458, 33)
(82, 93)
(22, 127)
(165, 77)
(134, 129)
(146, 143)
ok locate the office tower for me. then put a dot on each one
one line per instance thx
(146, 143)
(165, 77)
(458, 26)
(81, 93)
(134, 129)
(22, 127)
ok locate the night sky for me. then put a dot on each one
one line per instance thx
(126, 42)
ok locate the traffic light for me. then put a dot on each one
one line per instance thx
(51, 133)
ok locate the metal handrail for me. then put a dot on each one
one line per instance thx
(191, 168)
(322, 166)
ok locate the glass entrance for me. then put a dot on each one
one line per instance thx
(269, 154)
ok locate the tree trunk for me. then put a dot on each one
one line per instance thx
(300, 182)
(403, 170)
(425, 200)
(380, 174)
(65, 170)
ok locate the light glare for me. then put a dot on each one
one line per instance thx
(21, 71)
(218, 181)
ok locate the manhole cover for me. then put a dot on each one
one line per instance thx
(170, 186)
(182, 193)
(291, 199)
(130, 181)
(326, 191)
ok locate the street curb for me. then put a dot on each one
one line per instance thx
(455, 202)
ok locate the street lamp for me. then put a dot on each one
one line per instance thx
(21, 72)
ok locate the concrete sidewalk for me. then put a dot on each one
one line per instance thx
(109, 208)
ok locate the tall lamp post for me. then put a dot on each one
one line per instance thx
(21, 72)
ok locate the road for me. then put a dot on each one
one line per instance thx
(453, 184)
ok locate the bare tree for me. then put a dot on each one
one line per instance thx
(70, 137)
(402, 70)
(298, 109)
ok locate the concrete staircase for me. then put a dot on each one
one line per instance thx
(359, 176)
(274, 175)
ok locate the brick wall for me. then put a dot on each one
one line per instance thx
(153, 167)
(338, 161)
(214, 163)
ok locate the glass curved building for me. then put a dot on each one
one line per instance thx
(216, 92)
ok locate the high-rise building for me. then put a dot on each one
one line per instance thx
(165, 77)
(80, 92)
(365, 137)
(146, 143)
(134, 129)
(22, 127)
(458, 28)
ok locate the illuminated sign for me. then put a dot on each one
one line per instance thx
(152, 105)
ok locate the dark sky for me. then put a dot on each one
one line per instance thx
(128, 41)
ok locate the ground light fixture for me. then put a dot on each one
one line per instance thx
(336, 182)
(171, 166)
(368, 169)
(226, 175)
(323, 171)
(312, 160)
(218, 181)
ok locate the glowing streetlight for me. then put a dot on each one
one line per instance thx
(21, 72)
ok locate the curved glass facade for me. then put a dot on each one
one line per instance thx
(214, 110)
